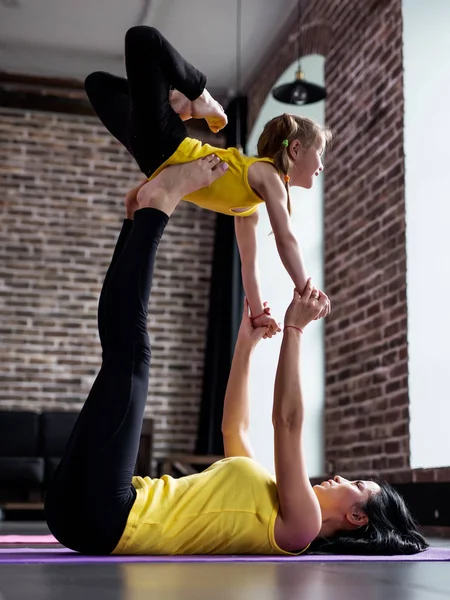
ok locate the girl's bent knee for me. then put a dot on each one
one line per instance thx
(94, 80)
(141, 34)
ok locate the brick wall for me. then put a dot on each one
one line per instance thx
(367, 416)
(62, 185)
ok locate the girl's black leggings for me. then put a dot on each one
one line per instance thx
(89, 500)
(137, 111)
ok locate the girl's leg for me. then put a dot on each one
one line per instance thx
(137, 112)
(153, 66)
(110, 98)
(141, 117)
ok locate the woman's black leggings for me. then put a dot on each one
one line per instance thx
(89, 500)
(137, 112)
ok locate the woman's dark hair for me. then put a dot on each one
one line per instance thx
(391, 529)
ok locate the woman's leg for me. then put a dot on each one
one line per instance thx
(91, 495)
(121, 240)
(88, 503)
(131, 205)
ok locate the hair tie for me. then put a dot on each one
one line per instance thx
(285, 143)
(287, 178)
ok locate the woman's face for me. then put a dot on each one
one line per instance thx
(307, 163)
(339, 496)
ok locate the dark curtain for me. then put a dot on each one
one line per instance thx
(225, 301)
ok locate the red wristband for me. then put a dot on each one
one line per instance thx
(293, 327)
(254, 318)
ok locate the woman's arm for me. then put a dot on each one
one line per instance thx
(300, 515)
(236, 408)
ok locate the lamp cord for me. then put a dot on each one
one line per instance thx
(298, 35)
(238, 71)
(238, 46)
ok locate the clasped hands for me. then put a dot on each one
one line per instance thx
(310, 305)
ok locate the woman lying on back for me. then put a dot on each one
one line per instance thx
(96, 506)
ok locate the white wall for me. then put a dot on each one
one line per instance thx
(427, 163)
(307, 221)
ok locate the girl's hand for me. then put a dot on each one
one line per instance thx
(247, 333)
(266, 320)
(326, 309)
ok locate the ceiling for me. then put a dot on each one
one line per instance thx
(70, 38)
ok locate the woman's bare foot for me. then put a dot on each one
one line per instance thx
(205, 107)
(176, 181)
(131, 203)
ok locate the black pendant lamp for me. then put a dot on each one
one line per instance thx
(300, 91)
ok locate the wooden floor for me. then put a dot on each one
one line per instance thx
(220, 581)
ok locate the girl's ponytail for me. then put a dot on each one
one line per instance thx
(274, 143)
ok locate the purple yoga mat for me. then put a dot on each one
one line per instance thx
(62, 555)
(28, 539)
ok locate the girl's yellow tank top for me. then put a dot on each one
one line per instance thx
(230, 191)
(230, 508)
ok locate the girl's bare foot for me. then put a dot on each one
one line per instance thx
(176, 181)
(205, 107)
(131, 203)
(180, 104)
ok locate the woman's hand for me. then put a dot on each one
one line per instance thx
(247, 333)
(306, 307)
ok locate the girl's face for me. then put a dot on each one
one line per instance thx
(306, 163)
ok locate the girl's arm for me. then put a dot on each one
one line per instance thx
(274, 194)
(245, 228)
(236, 408)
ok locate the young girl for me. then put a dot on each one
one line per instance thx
(146, 115)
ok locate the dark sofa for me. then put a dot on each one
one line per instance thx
(31, 446)
(22, 467)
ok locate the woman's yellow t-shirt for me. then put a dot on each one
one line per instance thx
(230, 191)
(230, 508)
